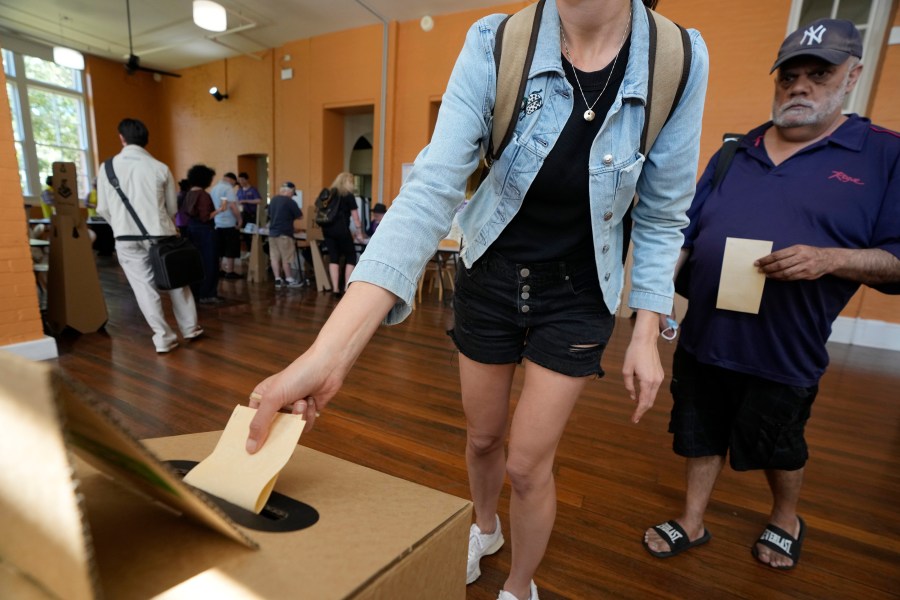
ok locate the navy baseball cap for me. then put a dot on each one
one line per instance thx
(832, 40)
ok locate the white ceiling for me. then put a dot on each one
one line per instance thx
(165, 36)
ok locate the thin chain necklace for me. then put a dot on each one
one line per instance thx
(589, 114)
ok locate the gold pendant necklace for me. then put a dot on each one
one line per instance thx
(589, 114)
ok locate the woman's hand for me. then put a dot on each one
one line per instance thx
(305, 387)
(642, 363)
(311, 381)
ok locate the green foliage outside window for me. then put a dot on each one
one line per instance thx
(48, 108)
(41, 70)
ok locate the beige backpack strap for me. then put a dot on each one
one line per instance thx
(670, 66)
(513, 52)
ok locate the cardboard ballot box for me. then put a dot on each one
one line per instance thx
(120, 524)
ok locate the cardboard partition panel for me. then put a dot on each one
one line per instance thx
(313, 229)
(259, 260)
(74, 296)
(86, 512)
(314, 236)
(47, 534)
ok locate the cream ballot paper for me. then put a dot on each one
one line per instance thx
(247, 479)
(741, 284)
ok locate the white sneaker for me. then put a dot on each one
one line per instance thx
(533, 595)
(168, 348)
(194, 333)
(481, 544)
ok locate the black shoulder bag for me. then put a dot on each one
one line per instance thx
(175, 261)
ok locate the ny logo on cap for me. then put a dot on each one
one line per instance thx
(813, 35)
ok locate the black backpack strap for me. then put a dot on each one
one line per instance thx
(730, 143)
(114, 181)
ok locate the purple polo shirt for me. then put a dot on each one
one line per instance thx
(843, 191)
(250, 193)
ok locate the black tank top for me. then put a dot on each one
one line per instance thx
(554, 221)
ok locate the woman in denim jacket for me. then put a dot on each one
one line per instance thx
(542, 249)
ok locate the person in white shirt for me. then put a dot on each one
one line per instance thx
(150, 188)
(228, 238)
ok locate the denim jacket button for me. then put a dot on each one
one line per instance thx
(607, 159)
(605, 248)
(524, 272)
(526, 288)
(607, 216)
(525, 308)
(525, 295)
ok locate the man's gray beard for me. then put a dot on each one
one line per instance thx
(831, 104)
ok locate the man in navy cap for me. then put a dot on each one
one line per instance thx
(284, 221)
(823, 188)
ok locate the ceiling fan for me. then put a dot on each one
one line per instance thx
(134, 62)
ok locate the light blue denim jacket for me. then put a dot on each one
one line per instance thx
(422, 213)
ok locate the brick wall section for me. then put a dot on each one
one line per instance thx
(20, 318)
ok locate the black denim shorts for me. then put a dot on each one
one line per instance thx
(551, 313)
(757, 422)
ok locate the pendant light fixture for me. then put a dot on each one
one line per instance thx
(210, 15)
(66, 57)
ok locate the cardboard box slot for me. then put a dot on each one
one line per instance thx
(281, 513)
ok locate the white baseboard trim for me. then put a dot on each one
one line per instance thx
(40, 349)
(866, 332)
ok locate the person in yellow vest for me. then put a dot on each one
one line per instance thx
(47, 207)
(90, 201)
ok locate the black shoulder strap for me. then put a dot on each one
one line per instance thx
(513, 66)
(730, 143)
(114, 181)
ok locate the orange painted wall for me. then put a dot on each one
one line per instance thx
(345, 72)
(334, 74)
(886, 106)
(114, 95)
(743, 39)
(423, 64)
(292, 107)
(20, 318)
(194, 128)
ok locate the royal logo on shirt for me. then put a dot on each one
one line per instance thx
(844, 178)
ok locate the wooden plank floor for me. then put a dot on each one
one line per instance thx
(399, 412)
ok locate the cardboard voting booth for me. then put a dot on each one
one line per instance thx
(259, 262)
(74, 296)
(88, 512)
(314, 235)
